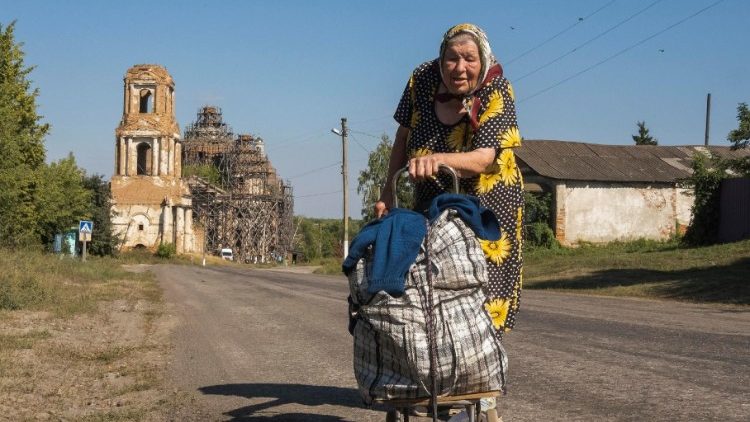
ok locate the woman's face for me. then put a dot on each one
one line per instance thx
(461, 67)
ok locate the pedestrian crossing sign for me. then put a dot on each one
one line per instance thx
(85, 228)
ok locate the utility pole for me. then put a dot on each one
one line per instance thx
(708, 116)
(344, 172)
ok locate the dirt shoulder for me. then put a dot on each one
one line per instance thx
(106, 364)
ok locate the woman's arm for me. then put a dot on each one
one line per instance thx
(466, 164)
(396, 163)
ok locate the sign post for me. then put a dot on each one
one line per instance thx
(85, 228)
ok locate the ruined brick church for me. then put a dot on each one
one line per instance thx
(250, 209)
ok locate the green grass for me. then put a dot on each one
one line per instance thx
(148, 257)
(327, 265)
(32, 280)
(719, 273)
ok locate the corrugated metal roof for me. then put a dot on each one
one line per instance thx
(567, 160)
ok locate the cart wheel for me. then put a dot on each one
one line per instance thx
(393, 416)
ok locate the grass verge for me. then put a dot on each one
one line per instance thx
(641, 268)
(328, 266)
(64, 286)
(650, 269)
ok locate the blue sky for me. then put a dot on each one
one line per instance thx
(287, 71)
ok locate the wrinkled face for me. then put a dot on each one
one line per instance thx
(461, 66)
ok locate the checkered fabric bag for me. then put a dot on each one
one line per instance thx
(391, 347)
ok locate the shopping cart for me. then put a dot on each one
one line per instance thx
(400, 409)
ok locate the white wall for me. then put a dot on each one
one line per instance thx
(605, 212)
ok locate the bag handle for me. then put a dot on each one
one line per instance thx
(441, 167)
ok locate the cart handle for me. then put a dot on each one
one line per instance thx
(441, 167)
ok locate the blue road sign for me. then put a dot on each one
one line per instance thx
(85, 226)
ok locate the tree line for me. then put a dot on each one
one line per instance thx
(38, 199)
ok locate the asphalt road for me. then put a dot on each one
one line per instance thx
(258, 345)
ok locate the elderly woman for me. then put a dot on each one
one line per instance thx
(458, 110)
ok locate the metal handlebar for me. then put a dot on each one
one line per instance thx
(442, 167)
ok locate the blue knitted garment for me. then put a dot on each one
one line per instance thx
(478, 218)
(396, 239)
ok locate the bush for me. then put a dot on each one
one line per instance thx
(166, 250)
(705, 183)
(537, 212)
(540, 235)
(537, 207)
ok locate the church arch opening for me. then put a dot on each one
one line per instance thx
(147, 102)
(144, 159)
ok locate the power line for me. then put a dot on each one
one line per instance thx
(578, 22)
(291, 142)
(317, 194)
(338, 163)
(365, 133)
(359, 144)
(589, 41)
(623, 51)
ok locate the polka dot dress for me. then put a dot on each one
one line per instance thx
(499, 189)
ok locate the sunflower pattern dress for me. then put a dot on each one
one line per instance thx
(500, 189)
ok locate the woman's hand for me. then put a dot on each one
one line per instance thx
(425, 167)
(381, 209)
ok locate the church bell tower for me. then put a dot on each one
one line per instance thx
(151, 203)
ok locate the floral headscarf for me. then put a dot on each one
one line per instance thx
(479, 36)
(490, 67)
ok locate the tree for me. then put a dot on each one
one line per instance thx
(22, 151)
(740, 137)
(62, 199)
(643, 137)
(321, 237)
(372, 179)
(705, 181)
(208, 172)
(104, 241)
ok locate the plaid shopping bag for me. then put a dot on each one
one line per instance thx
(391, 344)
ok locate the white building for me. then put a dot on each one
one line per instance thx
(604, 193)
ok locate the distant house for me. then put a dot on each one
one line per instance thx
(603, 193)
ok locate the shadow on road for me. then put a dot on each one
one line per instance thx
(721, 283)
(281, 394)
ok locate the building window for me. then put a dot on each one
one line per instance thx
(147, 102)
(140, 227)
(144, 159)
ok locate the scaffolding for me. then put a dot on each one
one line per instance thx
(238, 198)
